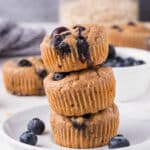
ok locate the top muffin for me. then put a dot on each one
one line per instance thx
(74, 48)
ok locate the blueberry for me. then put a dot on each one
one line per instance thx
(112, 52)
(126, 63)
(42, 73)
(80, 28)
(78, 123)
(86, 116)
(131, 59)
(118, 141)
(64, 48)
(116, 27)
(117, 64)
(140, 62)
(108, 64)
(131, 23)
(59, 76)
(59, 30)
(56, 40)
(83, 49)
(24, 63)
(61, 46)
(28, 138)
(119, 59)
(36, 126)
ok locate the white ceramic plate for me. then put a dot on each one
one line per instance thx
(136, 130)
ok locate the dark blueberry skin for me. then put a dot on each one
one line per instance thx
(83, 49)
(56, 40)
(117, 28)
(117, 61)
(42, 73)
(36, 126)
(64, 48)
(112, 52)
(79, 126)
(80, 28)
(24, 63)
(59, 76)
(131, 23)
(118, 141)
(140, 62)
(61, 47)
(86, 116)
(28, 138)
(131, 60)
(59, 30)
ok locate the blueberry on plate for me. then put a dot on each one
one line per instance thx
(28, 138)
(112, 52)
(118, 141)
(24, 63)
(36, 126)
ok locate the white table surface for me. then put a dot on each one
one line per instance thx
(10, 104)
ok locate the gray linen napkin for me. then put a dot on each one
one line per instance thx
(19, 41)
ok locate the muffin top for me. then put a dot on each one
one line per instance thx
(136, 27)
(79, 79)
(86, 120)
(77, 39)
(130, 27)
(32, 65)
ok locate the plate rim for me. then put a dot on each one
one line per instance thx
(11, 141)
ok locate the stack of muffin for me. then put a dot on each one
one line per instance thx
(80, 90)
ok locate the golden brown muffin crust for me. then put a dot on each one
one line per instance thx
(79, 78)
(93, 118)
(80, 47)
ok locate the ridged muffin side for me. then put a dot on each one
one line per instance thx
(85, 131)
(87, 91)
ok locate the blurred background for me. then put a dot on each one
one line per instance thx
(70, 11)
(43, 15)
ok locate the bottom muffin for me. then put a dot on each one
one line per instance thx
(87, 131)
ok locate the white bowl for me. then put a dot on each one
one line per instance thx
(132, 82)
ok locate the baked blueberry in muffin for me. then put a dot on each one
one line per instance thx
(75, 48)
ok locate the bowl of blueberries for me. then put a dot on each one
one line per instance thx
(132, 71)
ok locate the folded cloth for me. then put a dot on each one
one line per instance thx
(19, 41)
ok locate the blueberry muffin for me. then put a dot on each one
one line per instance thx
(75, 48)
(135, 35)
(87, 131)
(78, 93)
(24, 76)
(129, 35)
